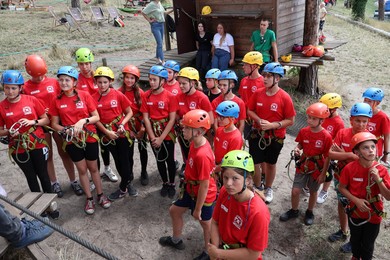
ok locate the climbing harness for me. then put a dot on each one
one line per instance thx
(69, 137)
(158, 128)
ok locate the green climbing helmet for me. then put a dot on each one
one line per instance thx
(238, 159)
(84, 55)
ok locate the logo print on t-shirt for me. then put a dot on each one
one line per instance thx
(237, 222)
(50, 89)
(161, 104)
(254, 88)
(80, 104)
(192, 105)
(174, 92)
(27, 110)
(225, 144)
(274, 107)
(329, 129)
(114, 103)
(318, 144)
(191, 162)
(371, 127)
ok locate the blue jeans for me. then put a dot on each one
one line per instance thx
(158, 33)
(10, 226)
(220, 60)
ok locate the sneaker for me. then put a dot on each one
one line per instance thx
(132, 191)
(346, 248)
(306, 192)
(117, 195)
(164, 190)
(34, 231)
(54, 214)
(89, 207)
(111, 175)
(171, 191)
(309, 218)
(56, 188)
(289, 215)
(92, 186)
(338, 236)
(104, 202)
(202, 256)
(269, 195)
(167, 241)
(322, 196)
(144, 178)
(77, 188)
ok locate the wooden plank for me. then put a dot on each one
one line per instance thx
(28, 199)
(3, 246)
(42, 203)
(330, 45)
(41, 251)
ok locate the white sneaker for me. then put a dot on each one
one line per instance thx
(111, 175)
(322, 196)
(306, 192)
(269, 195)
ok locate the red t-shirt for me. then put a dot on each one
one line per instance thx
(333, 125)
(71, 112)
(379, 125)
(87, 84)
(199, 167)
(240, 103)
(198, 100)
(45, 91)
(249, 86)
(111, 106)
(238, 224)
(134, 107)
(174, 88)
(355, 178)
(226, 142)
(272, 108)
(27, 107)
(314, 144)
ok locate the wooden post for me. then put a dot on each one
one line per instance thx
(381, 10)
(308, 77)
(167, 39)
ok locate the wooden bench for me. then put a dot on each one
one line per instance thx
(38, 203)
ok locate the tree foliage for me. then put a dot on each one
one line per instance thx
(358, 9)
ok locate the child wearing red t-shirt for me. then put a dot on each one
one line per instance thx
(159, 113)
(341, 150)
(332, 124)
(47, 89)
(213, 90)
(272, 111)
(189, 99)
(21, 119)
(172, 85)
(135, 94)
(199, 190)
(379, 124)
(85, 82)
(226, 82)
(239, 228)
(74, 114)
(115, 112)
(364, 183)
(315, 142)
(227, 137)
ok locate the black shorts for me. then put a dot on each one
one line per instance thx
(322, 24)
(90, 152)
(269, 155)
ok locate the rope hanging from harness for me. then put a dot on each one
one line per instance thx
(133, 128)
(158, 128)
(69, 137)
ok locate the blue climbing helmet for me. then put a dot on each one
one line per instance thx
(361, 109)
(228, 74)
(12, 77)
(213, 74)
(159, 71)
(274, 68)
(228, 109)
(173, 65)
(69, 71)
(375, 94)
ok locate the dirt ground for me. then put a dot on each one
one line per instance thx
(130, 229)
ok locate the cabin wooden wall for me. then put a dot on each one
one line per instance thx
(287, 19)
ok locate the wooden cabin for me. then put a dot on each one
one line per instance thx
(241, 18)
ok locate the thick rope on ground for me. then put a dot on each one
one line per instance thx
(61, 230)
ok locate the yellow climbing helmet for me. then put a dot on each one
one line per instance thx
(104, 72)
(206, 10)
(332, 100)
(189, 72)
(286, 58)
(253, 57)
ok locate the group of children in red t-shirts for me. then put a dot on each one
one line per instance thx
(212, 128)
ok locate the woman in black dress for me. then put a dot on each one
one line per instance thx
(203, 45)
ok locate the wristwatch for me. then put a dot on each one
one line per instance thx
(87, 120)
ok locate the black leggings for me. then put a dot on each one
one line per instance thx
(143, 154)
(35, 167)
(164, 160)
(363, 238)
(120, 152)
(105, 153)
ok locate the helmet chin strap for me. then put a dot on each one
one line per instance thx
(230, 123)
(273, 81)
(244, 186)
(250, 74)
(159, 86)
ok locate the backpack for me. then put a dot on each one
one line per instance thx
(171, 26)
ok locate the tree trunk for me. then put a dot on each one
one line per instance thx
(75, 3)
(308, 77)
(381, 10)
(358, 9)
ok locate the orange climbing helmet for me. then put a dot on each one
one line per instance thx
(319, 110)
(362, 137)
(131, 69)
(35, 65)
(196, 118)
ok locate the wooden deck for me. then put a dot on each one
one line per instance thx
(330, 45)
(184, 60)
(298, 60)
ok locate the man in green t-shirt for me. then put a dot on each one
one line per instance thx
(263, 40)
